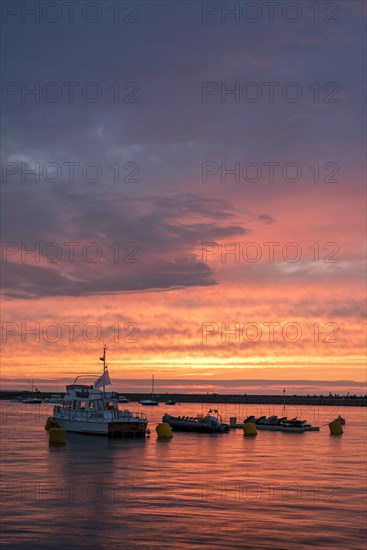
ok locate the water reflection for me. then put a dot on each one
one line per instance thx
(277, 490)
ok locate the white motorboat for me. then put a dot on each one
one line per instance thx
(55, 398)
(89, 410)
(32, 400)
(123, 399)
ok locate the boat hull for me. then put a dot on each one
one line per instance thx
(109, 429)
(193, 426)
(294, 429)
(277, 428)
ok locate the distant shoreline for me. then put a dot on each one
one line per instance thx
(323, 400)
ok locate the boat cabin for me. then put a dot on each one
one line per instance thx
(83, 398)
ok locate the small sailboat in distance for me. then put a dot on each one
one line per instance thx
(152, 402)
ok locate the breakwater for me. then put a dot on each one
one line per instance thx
(324, 400)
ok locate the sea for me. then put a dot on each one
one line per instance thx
(198, 491)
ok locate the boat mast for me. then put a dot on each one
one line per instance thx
(104, 369)
(153, 385)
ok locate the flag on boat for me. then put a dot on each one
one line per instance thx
(103, 380)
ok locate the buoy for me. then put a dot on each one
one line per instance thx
(164, 431)
(57, 436)
(335, 427)
(51, 423)
(249, 429)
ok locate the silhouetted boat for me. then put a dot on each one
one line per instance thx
(150, 402)
(281, 424)
(34, 397)
(202, 424)
(55, 398)
(32, 400)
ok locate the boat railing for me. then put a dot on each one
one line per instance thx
(80, 414)
(74, 414)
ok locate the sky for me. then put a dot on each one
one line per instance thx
(184, 182)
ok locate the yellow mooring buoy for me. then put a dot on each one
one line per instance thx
(57, 436)
(51, 423)
(164, 431)
(249, 429)
(335, 427)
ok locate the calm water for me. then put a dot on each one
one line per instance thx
(275, 491)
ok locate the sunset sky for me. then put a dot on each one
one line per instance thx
(165, 250)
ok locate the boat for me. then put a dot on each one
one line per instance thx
(200, 423)
(55, 398)
(150, 402)
(32, 400)
(170, 402)
(295, 423)
(282, 424)
(86, 409)
(18, 399)
(123, 399)
(34, 397)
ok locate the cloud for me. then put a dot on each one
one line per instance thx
(102, 242)
(266, 218)
(168, 133)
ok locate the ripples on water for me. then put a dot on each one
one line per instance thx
(275, 491)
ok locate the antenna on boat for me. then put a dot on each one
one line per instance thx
(284, 399)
